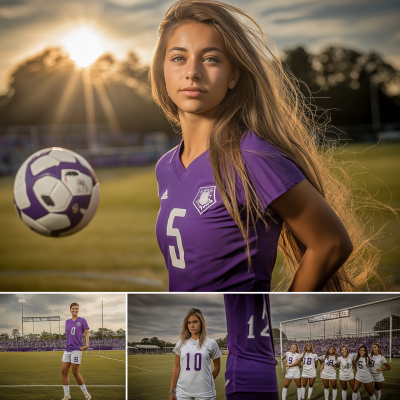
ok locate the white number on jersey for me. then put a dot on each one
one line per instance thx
(265, 331)
(176, 262)
(73, 330)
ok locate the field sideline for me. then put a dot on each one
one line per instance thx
(37, 375)
(118, 251)
(149, 377)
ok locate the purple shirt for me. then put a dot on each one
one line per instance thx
(201, 243)
(251, 361)
(74, 330)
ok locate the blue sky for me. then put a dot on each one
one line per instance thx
(27, 26)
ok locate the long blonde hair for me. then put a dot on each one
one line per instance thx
(305, 348)
(185, 334)
(268, 102)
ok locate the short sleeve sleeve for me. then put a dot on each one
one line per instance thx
(321, 358)
(315, 357)
(271, 171)
(177, 349)
(384, 361)
(215, 351)
(85, 324)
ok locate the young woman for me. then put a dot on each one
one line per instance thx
(362, 366)
(346, 374)
(192, 377)
(377, 359)
(248, 172)
(292, 370)
(309, 374)
(74, 329)
(328, 372)
(250, 368)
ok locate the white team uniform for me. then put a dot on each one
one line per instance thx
(292, 372)
(74, 357)
(329, 371)
(309, 370)
(346, 372)
(195, 378)
(363, 371)
(377, 362)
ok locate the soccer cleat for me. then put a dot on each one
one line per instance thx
(88, 396)
(66, 398)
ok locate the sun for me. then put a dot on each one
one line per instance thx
(84, 46)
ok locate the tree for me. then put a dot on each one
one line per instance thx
(5, 336)
(121, 333)
(15, 333)
(145, 341)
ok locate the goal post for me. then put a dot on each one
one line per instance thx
(374, 322)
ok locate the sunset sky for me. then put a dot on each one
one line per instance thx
(118, 26)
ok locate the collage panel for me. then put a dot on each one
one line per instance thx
(263, 346)
(69, 346)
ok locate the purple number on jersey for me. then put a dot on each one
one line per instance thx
(309, 361)
(188, 359)
(197, 358)
(290, 360)
(360, 366)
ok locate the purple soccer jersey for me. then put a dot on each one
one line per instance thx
(201, 243)
(74, 330)
(251, 361)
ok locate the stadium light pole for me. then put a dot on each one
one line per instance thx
(22, 301)
(102, 304)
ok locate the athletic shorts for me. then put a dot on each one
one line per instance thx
(73, 357)
(253, 396)
(309, 375)
(182, 397)
(378, 377)
(331, 376)
(365, 379)
(293, 375)
(346, 377)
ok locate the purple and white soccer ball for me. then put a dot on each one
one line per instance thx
(56, 192)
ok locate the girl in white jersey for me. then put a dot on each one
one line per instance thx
(292, 370)
(377, 359)
(346, 374)
(328, 372)
(362, 366)
(192, 377)
(310, 363)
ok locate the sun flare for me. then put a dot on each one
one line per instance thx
(84, 46)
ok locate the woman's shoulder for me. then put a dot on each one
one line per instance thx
(166, 158)
(251, 142)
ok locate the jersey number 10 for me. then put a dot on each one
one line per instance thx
(197, 362)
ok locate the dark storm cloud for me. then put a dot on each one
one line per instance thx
(41, 305)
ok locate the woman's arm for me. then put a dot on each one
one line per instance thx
(175, 374)
(387, 365)
(316, 225)
(316, 364)
(86, 339)
(217, 367)
(283, 360)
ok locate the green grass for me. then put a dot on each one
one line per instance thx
(44, 368)
(121, 238)
(154, 379)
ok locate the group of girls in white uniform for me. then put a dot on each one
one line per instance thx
(368, 370)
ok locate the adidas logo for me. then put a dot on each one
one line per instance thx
(165, 195)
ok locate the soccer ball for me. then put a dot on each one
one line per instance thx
(56, 192)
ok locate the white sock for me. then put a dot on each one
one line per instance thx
(299, 393)
(83, 388)
(310, 389)
(66, 390)
(326, 392)
(378, 394)
(303, 392)
(284, 393)
(373, 397)
(344, 394)
(354, 396)
(334, 394)
(358, 395)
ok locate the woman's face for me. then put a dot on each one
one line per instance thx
(196, 56)
(362, 352)
(194, 325)
(375, 349)
(344, 351)
(331, 351)
(74, 311)
(308, 346)
(293, 348)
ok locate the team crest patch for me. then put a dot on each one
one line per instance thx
(205, 198)
(78, 324)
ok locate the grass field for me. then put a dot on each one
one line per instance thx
(149, 377)
(118, 251)
(37, 376)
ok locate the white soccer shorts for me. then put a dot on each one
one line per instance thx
(309, 375)
(346, 376)
(182, 397)
(378, 377)
(293, 375)
(74, 357)
(330, 376)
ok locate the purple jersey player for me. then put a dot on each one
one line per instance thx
(250, 369)
(200, 241)
(74, 330)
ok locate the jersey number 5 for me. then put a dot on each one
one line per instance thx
(176, 262)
